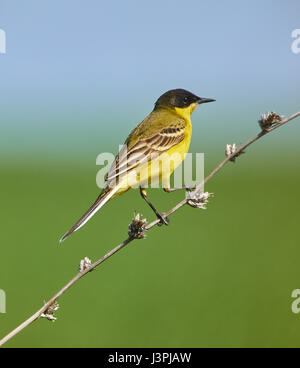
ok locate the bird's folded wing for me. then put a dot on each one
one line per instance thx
(141, 151)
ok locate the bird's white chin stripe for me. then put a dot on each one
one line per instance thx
(101, 204)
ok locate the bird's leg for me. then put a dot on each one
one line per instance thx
(167, 188)
(164, 220)
(170, 190)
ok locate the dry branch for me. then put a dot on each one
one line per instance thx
(138, 227)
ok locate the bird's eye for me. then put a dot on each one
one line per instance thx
(185, 99)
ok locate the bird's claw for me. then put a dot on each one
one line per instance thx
(190, 189)
(163, 220)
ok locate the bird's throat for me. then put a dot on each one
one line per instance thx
(185, 112)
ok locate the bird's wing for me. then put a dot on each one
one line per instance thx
(134, 154)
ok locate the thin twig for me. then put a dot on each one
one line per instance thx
(61, 291)
(82, 273)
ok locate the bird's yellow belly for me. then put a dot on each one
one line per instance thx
(159, 168)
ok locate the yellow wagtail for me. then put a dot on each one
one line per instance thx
(166, 132)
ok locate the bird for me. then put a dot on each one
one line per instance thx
(166, 132)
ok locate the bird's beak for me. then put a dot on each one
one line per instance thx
(204, 100)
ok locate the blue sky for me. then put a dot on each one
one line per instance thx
(75, 63)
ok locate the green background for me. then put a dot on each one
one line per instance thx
(76, 78)
(216, 277)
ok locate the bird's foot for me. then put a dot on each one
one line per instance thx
(187, 188)
(190, 189)
(163, 219)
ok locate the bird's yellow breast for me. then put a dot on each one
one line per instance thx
(185, 113)
(163, 166)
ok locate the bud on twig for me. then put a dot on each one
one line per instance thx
(268, 120)
(198, 198)
(84, 264)
(230, 150)
(137, 228)
(49, 312)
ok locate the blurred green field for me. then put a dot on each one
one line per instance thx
(216, 278)
(221, 277)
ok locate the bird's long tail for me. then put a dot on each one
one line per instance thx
(105, 195)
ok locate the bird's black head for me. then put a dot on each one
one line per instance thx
(180, 98)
